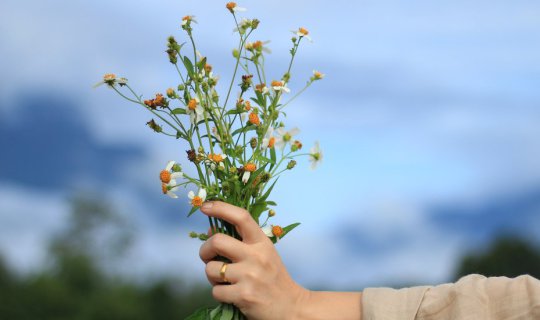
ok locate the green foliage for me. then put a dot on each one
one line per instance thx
(507, 256)
(77, 287)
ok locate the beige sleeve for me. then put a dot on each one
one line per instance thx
(472, 297)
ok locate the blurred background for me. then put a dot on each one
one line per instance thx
(428, 119)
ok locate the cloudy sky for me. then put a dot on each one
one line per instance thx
(427, 118)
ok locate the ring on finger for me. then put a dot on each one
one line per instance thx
(222, 272)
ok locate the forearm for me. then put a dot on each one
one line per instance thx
(315, 305)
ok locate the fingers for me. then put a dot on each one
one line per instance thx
(213, 272)
(246, 226)
(226, 293)
(222, 245)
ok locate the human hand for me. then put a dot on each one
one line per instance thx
(260, 285)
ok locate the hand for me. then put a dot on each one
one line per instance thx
(260, 286)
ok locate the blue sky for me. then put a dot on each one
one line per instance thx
(427, 118)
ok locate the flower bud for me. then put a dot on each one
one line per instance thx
(296, 145)
(291, 164)
(255, 23)
(193, 234)
(171, 94)
(271, 213)
(191, 155)
(181, 87)
(154, 126)
(203, 237)
(253, 143)
(236, 53)
(176, 168)
(265, 177)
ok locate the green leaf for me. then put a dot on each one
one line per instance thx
(199, 314)
(257, 209)
(289, 228)
(272, 157)
(227, 313)
(179, 111)
(189, 66)
(233, 111)
(271, 203)
(267, 193)
(215, 312)
(260, 157)
(192, 211)
(244, 129)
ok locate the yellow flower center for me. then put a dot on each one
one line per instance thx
(196, 201)
(231, 6)
(318, 75)
(276, 83)
(254, 119)
(192, 104)
(258, 44)
(260, 87)
(165, 176)
(277, 231)
(287, 137)
(251, 167)
(303, 31)
(216, 157)
(271, 142)
(109, 77)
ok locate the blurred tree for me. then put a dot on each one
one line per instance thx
(75, 285)
(507, 256)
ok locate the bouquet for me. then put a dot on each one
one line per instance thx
(238, 147)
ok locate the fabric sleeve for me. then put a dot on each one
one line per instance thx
(472, 297)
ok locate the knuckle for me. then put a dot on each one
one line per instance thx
(246, 295)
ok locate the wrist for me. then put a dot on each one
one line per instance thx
(315, 305)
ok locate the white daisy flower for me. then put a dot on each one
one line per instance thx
(285, 137)
(195, 110)
(315, 155)
(197, 200)
(302, 32)
(234, 8)
(280, 86)
(269, 140)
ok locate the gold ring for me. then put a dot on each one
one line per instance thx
(222, 272)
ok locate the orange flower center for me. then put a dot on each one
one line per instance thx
(250, 167)
(260, 87)
(164, 188)
(231, 5)
(217, 157)
(192, 104)
(303, 31)
(247, 105)
(109, 77)
(207, 68)
(196, 201)
(277, 231)
(186, 18)
(257, 44)
(271, 142)
(254, 119)
(318, 75)
(276, 83)
(165, 176)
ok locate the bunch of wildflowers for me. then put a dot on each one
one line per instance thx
(237, 143)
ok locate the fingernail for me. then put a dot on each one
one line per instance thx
(207, 205)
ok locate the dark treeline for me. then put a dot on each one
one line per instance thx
(74, 283)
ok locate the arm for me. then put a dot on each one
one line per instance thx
(259, 283)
